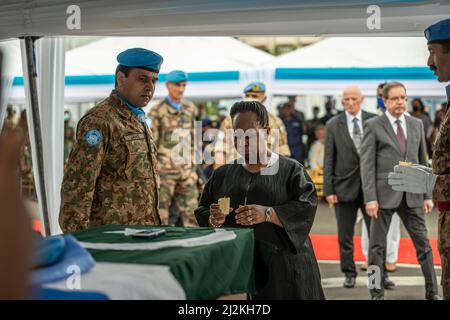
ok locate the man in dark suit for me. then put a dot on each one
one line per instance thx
(342, 180)
(388, 139)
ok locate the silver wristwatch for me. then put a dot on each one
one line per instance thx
(268, 214)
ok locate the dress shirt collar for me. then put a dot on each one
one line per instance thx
(350, 117)
(392, 119)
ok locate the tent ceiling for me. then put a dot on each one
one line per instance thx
(217, 17)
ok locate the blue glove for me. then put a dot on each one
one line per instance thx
(47, 251)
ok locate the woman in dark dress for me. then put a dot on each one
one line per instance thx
(275, 197)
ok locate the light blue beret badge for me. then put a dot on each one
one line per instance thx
(93, 137)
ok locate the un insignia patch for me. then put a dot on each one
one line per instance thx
(93, 137)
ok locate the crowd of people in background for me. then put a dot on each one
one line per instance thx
(306, 137)
(300, 138)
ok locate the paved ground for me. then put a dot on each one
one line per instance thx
(409, 280)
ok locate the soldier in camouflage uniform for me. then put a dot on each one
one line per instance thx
(111, 175)
(178, 180)
(438, 37)
(224, 149)
(437, 182)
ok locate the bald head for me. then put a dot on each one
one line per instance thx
(352, 99)
(354, 90)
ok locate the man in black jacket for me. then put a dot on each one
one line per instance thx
(342, 179)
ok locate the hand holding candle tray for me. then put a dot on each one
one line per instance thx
(219, 211)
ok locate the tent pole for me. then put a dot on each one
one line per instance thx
(32, 76)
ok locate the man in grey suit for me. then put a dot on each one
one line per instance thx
(342, 179)
(388, 139)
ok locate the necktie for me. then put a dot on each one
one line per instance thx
(356, 135)
(401, 137)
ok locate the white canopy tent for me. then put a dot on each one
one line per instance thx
(180, 18)
(217, 66)
(326, 67)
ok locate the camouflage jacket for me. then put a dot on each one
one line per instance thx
(441, 161)
(110, 176)
(165, 124)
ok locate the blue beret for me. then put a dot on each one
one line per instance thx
(140, 58)
(438, 31)
(206, 122)
(255, 87)
(176, 76)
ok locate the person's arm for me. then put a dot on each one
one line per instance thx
(368, 164)
(368, 170)
(441, 191)
(441, 188)
(423, 158)
(15, 224)
(329, 163)
(297, 215)
(82, 170)
(155, 126)
(202, 213)
(283, 145)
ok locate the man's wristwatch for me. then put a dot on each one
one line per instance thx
(268, 214)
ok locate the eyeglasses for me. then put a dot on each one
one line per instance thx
(395, 99)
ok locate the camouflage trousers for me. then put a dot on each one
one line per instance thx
(183, 192)
(444, 250)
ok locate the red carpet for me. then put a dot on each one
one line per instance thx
(326, 247)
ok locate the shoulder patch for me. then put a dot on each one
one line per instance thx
(93, 137)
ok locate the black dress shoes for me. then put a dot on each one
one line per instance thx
(388, 283)
(349, 282)
(433, 296)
